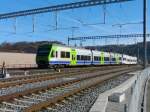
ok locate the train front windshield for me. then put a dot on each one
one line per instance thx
(44, 51)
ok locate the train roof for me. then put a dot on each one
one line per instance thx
(61, 45)
(72, 47)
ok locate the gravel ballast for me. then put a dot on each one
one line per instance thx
(84, 101)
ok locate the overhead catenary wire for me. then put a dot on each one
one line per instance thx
(56, 22)
(59, 7)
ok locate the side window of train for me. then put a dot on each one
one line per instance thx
(89, 57)
(52, 54)
(96, 58)
(56, 54)
(107, 58)
(85, 57)
(62, 54)
(78, 57)
(67, 54)
(113, 59)
(82, 58)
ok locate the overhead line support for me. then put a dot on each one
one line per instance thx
(108, 36)
(59, 8)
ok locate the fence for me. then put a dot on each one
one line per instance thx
(137, 100)
(15, 66)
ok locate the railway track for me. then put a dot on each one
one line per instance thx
(18, 74)
(29, 72)
(42, 97)
(4, 83)
(22, 85)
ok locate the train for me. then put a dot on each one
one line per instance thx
(56, 55)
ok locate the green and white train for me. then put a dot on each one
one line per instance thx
(61, 55)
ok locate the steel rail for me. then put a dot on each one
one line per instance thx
(26, 80)
(38, 79)
(41, 74)
(54, 100)
(9, 97)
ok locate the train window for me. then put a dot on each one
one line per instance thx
(85, 57)
(67, 54)
(43, 51)
(113, 59)
(96, 58)
(56, 54)
(82, 57)
(78, 57)
(106, 58)
(52, 54)
(124, 59)
(119, 58)
(62, 54)
(89, 57)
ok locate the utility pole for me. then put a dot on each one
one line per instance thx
(68, 41)
(138, 51)
(144, 32)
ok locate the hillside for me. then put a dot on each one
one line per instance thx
(23, 47)
(132, 50)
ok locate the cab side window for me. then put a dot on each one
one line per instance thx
(52, 54)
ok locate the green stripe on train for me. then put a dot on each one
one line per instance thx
(73, 57)
(102, 58)
(117, 58)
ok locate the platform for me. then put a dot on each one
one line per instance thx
(148, 96)
(102, 101)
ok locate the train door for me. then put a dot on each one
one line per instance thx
(117, 58)
(73, 57)
(102, 58)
